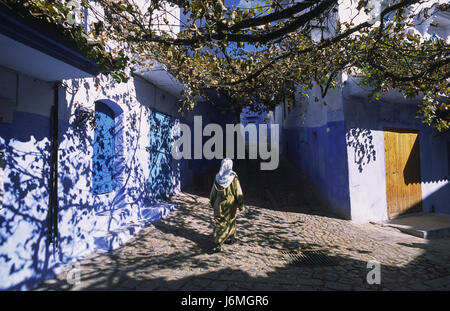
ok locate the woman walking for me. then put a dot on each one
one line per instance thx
(225, 198)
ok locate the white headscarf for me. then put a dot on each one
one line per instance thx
(226, 174)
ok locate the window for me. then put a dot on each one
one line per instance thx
(103, 161)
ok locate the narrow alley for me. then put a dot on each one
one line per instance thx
(284, 218)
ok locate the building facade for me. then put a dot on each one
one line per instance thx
(372, 161)
(85, 161)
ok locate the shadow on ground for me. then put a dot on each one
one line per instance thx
(285, 189)
(174, 253)
(188, 265)
(344, 274)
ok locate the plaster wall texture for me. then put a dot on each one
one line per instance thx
(86, 221)
(365, 124)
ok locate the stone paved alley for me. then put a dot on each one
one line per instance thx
(283, 215)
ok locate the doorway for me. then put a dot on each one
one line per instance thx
(403, 179)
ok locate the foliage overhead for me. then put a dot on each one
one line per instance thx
(262, 51)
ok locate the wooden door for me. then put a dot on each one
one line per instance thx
(403, 182)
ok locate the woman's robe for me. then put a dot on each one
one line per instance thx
(225, 202)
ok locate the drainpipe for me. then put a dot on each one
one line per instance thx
(53, 181)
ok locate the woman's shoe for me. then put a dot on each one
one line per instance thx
(217, 249)
(231, 240)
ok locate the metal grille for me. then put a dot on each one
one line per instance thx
(308, 258)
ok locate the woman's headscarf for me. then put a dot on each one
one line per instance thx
(226, 174)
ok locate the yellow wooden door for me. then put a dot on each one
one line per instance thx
(403, 182)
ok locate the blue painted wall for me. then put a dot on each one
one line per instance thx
(24, 251)
(250, 117)
(212, 111)
(313, 139)
(110, 179)
(340, 147)
(365, 122)
(135, 175)
(320, 152)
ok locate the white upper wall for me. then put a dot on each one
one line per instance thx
(311, 111)
(347, 12)
(170, 13)
(438, 25)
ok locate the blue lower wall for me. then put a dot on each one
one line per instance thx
(366, 122)
(86, 221)
(322, 155)
(25, 256)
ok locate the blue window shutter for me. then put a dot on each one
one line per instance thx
(103, 161)
(160, 153)
(160, 132)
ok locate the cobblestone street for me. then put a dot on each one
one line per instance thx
(283, 215)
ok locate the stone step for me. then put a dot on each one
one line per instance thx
(426, 226)
(124, 229)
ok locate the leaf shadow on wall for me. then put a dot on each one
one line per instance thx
(26, 255)
(361, 140)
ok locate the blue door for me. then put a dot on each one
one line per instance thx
(103, 161)
(160, 154)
